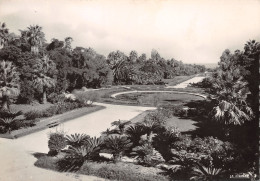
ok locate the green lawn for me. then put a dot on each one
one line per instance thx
(158, 98)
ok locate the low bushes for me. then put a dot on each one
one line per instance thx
(32, 115)
(87, 97)
(56, 143)
(9, 121)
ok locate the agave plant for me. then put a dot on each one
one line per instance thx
(76, 140)
(206, 173)
(147, 155)
(91, 148)
(150, 126)
(117, 145)
(78, 155)
(8, 120)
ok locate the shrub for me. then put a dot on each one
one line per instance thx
(76, 156)
(147, 155)
(76, 140)
(8, 121)
(55, 98)
(165, 140)
(117, 145)
(201, 172)
(208, 151)
(86, 98)
(49, 111)
(157, 117)
(56, 142)
(134, 132)
(32, 115)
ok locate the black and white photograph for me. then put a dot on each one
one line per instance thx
(129, 90)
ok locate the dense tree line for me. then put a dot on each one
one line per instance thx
(56, 67)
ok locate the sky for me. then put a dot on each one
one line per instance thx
(191, 31)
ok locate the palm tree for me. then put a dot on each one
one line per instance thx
(42, 80)
(230, 113)
(4, 32)
(34, 36)
(9, 83)
(252, 47)
(9, 122)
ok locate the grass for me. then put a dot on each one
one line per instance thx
(114, 171)
(44, 123)
(27, 107)
(154, 99)
(183, 125)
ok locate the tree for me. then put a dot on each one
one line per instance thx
(34, 36)
(9, 83)
(230, 89)
(133, 56)
(155, 55)
(142, 58)
(42, 77)
(4, 32)
(67, 45)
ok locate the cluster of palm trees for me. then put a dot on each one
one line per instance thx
(76, 67)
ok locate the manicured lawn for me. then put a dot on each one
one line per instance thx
(182, 124)
(154, 99)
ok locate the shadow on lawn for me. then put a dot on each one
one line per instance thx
(199, 113)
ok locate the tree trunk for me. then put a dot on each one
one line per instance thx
(5, 103)
(44, 99)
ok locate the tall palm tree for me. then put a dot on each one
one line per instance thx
(42, 80)
(9, 83)
(34, 36)
(4, 32)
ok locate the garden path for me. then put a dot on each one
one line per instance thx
(187, 82)
(16, 156)
(17, 160)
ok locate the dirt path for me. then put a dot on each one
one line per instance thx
(17, 160)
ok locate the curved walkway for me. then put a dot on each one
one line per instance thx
(16, 156)
(176, 92)
(17, 160)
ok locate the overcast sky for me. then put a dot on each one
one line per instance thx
(191, 31)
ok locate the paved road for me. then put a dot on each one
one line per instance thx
(17, 161)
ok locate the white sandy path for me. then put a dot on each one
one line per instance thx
(17, 161)
(187, 82)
